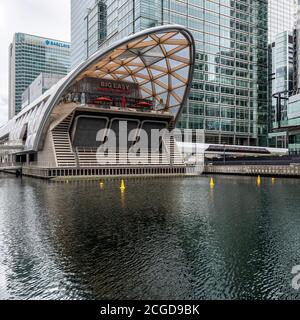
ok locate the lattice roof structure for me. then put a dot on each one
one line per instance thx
(160, 60)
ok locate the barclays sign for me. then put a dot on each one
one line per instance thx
(57, 44)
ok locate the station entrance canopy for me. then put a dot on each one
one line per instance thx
(158, 62)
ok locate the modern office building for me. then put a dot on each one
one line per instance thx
(284, 71)
(283, 84)
(39, 86)
(284, 59)
(285, 97)
(96, 27)
(282, 17)
(293, 124)
(286, 134)
(79, 12)
(229, 97)
(297, 45)
(29, 56)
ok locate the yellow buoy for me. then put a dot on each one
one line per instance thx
(212, 183)
(122, 185)
(101, 184)
(273, 180)
(259, 180)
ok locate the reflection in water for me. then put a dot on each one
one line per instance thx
(122, 199)
(160, 238)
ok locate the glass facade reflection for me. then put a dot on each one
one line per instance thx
(283, 75)
(79, 10)
(96, 27)
(229, 97)
(282, 17)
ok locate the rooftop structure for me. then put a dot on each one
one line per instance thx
(143, 79)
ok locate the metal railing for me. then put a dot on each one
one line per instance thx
(11, 145)
(87, 98)
(10, 164)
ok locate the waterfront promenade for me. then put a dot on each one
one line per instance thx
(274, 166)
(254, 170)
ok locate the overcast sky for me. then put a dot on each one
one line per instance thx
(44, 18)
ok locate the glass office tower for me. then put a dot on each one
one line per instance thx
(29, 56)
(229, 98)
(96, 27)
(79, 11)
(282, 17)
(283, 75)
(284, 70)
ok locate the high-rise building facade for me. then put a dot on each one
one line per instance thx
(229, 97)
(297, 45)
(284, 63)
(282, 17)
(29, 56)
(96, 27)
(79, 11)
(285, 97)
(283, 75)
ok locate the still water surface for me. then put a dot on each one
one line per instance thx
(166, 238)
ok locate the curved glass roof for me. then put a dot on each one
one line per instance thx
(160, 60)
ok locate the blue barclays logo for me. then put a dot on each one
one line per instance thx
(57, 44)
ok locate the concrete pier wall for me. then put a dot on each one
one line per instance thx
(87, 173)
(253, 170)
